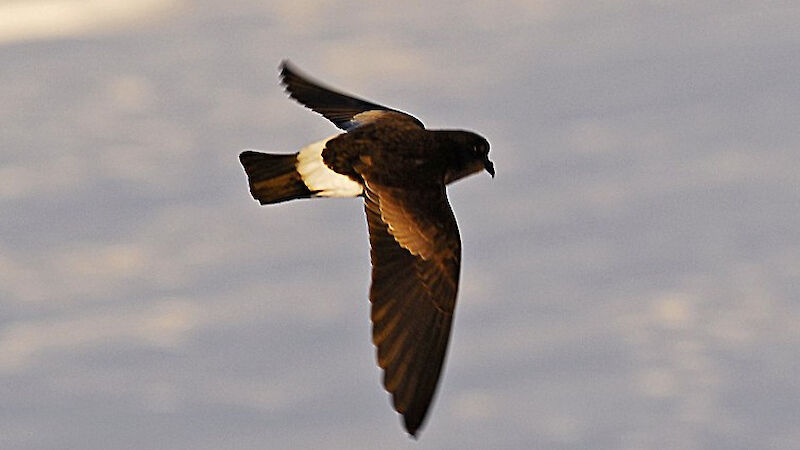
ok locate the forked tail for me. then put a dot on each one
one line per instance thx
(273, 178)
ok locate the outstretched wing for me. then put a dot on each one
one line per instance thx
(344, 110)
(416, 254)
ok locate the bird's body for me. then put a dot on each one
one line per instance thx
(401, 169)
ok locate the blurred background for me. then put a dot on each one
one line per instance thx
(629, 279)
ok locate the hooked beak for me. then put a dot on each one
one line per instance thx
(488, 166)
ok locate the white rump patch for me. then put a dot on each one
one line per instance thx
(319, 178)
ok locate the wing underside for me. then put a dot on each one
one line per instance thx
(413, 298)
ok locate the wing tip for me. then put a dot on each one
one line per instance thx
(286, 69)
(412, 427)
(286, 66)
(295, 81)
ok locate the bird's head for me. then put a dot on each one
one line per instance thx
(469, 153)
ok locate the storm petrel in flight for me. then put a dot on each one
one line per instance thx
(400, 169)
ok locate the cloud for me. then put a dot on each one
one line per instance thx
(163, 324)
(47, 176)
(25, 20)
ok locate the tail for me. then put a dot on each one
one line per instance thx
(273, 178)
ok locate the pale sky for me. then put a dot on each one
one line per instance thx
(629, 278)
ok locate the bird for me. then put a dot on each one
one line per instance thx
(400, 169)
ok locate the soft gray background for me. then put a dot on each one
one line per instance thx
(630, 278)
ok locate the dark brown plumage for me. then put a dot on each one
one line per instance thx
(276, 178)
(401, 170)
